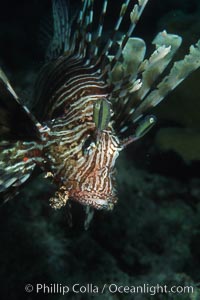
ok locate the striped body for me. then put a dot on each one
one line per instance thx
(81, 164)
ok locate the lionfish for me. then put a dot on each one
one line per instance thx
(93, 95)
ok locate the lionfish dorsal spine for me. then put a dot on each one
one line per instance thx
(20, 143)
(97, 36)
(111, 39)
(134, 16)
(61, 30)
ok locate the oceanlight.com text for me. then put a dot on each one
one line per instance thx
(112, 288)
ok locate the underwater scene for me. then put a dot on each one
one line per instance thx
(100, 149)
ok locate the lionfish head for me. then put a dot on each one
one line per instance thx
(89, 175)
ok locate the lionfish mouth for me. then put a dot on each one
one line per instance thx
(96, 201)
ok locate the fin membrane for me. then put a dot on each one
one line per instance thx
(15, 168)
(19, 133)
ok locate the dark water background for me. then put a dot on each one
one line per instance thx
(153, 234)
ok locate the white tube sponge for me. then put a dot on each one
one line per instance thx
(180, 70)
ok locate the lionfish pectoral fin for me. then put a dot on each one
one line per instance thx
(11, 184)
(17, 126)
(15, 168)
(16, 121)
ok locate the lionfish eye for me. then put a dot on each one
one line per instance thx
(88, 145)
